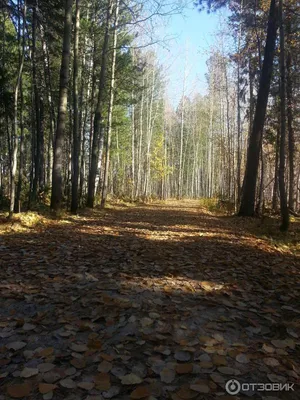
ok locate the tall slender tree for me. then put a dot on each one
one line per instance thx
(282, 189)
(247, 207)
(110, 106)
(16, 96)
(76, 127)
(98, 134)
(57, 182)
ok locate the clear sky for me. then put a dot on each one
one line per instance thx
(194, 34)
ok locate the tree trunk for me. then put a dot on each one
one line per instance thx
(110, 107)
(15, 122)
(239, 153)
(83, 142)
(230, 164)
(179, 183)
(76, 128)
(290, 122)
(210, 139)
(57, 187)
(37, 131)
(98, 131)
(259, 206)
(247, 207)
(83, 117)
(275, 187)
(92, 102)
(132, 152)
(50, 104)
(282, 190)
(41, 170)
(21, 159)
(137, 191)
(150, 120)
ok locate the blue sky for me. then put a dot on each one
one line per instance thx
(194, 34)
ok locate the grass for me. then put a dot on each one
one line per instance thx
(21, 222)
(267, 227)
(29, 220)
(216, 205)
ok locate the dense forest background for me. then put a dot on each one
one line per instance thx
(84, 112)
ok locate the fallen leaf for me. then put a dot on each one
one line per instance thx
(51, 377)
(105, 366)
(16, 345)
(46, 352)
(206, 365)
(28, 327)
(45, 367)
(68, 383)
(146, 322)
(219, 360)
(4, 362)
(167, 375)
(78, 348)
(94, 344)
(217, 378)
(242, 358)
(184, 368)
(280, 344)
(163, 350)
(48, 396)
(112, 392)
(277, 378)
(65, 334)
(46, 387)
(130, 379)
(290, 343)
(207, 340)
(141, 392)
(201, 388)
(292, 333)
(186, 393)
(19, 390)
(228, 371)
(268, 349)
(102, 381)
(118, 371)
(28, 372)
(271, 362)
(182, 356)
(97, 397)
(107, 357)
(86, 385)
(78, 363)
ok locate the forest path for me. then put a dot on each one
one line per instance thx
(165, 301)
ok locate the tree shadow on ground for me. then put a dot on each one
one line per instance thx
(109, 270)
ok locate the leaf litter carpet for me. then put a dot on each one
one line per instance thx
(165, 301)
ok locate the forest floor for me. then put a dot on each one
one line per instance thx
(159, 301)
